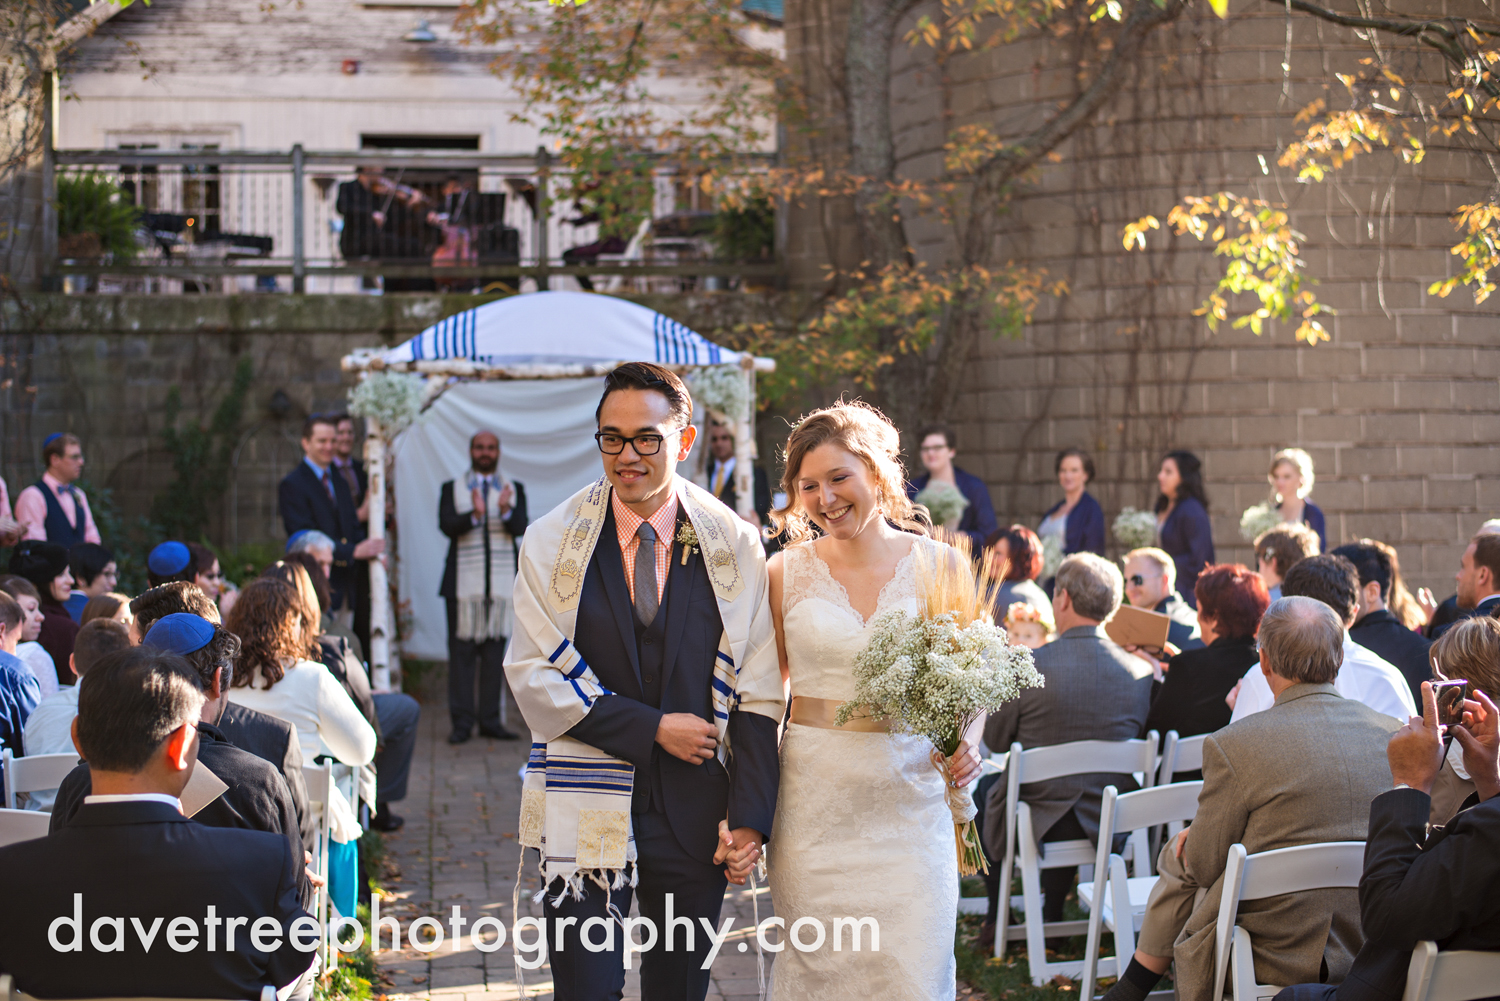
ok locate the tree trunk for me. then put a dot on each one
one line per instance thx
(872, 154)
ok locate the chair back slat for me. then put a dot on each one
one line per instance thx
(1084, 757)
(35, 773)
(1460, 975)
(319, 779)
(22, 825)
(1333, 864)
(1189, 756)
(1155, 806)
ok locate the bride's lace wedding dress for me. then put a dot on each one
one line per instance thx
(862, 828)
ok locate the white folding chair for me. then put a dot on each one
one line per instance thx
(1080, 757)
(319, 779)
(34, 773)
(1327, 865)
(1186, 756)
(1461, 975)
(1115, 901)
(1180, 754)
(22, 825)
(8, 992)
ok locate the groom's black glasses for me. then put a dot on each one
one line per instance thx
(644, 444)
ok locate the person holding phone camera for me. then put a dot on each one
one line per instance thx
(1470, 651)
(1425, 883)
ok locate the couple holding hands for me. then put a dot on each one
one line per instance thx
(652, 645)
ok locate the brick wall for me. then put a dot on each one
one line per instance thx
(101, 367)
(1400, 411)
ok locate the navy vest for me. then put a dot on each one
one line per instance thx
(57, 526)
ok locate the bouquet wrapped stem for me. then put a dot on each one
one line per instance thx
(935, 674)
(971, 860)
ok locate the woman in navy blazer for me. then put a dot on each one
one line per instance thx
(1182, 519)
(1291, 477)
(936, 445)
(1083, 531)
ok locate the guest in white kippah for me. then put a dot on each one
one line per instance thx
(483, 514)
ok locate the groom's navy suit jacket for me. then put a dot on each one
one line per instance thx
(668, 668)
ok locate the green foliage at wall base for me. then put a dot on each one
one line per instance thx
(201, 457)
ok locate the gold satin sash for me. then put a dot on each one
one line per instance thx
(821, 712)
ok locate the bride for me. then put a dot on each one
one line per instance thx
(862, 828)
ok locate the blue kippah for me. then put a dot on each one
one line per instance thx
(297, 537)
(51, 438)
(168, 558)
(181, 632)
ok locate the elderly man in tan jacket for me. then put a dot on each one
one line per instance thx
(1301, 772)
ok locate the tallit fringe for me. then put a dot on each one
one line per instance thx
(573, 886)
(474, 624)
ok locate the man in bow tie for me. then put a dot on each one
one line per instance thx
(484, 516)
(53, 509)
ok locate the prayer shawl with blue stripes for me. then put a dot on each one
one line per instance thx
(575, 803)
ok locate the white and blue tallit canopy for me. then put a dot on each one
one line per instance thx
(558, 328)
(529, 368)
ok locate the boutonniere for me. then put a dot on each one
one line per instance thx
(687, 538)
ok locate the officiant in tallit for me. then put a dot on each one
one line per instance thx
(483, 514)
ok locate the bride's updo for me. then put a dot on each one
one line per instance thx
(862, 431)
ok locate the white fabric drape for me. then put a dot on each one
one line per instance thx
(546, 430)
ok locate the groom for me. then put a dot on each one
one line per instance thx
(644, 661)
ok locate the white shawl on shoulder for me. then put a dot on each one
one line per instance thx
(575, 804)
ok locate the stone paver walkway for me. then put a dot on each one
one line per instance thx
(459, 848)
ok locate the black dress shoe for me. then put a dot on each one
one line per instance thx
(498, 733)
(459, 737)
(386, 821)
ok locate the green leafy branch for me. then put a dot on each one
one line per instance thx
(1264, 253)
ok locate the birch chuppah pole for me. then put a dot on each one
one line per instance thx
(383, 677)
(744, 447)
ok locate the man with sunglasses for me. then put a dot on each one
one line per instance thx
(644, 660)
(1151, 583)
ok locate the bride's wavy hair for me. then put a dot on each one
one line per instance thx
(862, 431)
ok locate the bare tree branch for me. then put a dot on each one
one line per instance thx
(1015, 159)
(1441, 35)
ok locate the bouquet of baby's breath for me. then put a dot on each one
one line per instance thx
(944, 502)
(936, 673)
(1052, 556)
(1258, 519)
(1135, 529)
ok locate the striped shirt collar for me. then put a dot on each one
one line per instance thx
(627, 522)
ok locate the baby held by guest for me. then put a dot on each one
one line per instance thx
(1026, 625)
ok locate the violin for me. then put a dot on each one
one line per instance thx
(394, 190)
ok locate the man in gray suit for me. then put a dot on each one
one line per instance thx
(1301, 772)
(1094, 691)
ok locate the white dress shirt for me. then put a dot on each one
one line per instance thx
(1364, 677)
(137, 797)
(49, 730)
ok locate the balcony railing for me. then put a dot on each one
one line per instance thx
(302, 221)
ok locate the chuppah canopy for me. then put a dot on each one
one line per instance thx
(529, 368)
